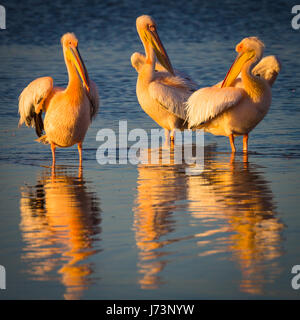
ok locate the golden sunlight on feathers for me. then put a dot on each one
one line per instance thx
(161, 94)
(69, 111)
(237, 105)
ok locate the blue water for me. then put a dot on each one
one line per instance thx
(148, 231)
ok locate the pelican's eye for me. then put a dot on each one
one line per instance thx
(240, 47)
(152, 28)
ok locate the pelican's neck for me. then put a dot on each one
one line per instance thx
(148, 69)
(75, 85)
(253, 85)
(150, 54)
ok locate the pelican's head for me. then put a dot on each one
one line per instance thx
(70, 46)
(247, 49)
(146, 28)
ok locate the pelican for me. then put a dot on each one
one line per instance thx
(69, 111)
(160, 94)
(237, 105)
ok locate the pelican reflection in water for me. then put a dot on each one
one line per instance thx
(60, 224)
(238, 196)
(232, 211)
(159, 189)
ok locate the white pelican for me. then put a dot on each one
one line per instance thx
(238, 105)
(69, 111)
(160, 94)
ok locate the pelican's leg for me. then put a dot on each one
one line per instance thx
(172, 136)
(231, 139)
(53, 173)
(53, 147)
(80, 153)
(80, 172)
(245, 142)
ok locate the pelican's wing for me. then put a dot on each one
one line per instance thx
(189, 82)
(138, 60)
(94, 98)
(171, 93)
(207, 103)
(31, 102)
(268, 68)
(180, 78)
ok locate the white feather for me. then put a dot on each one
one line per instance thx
(170, 97)
(268, 68)
(31, 97)
(207, 103)
(189, 82)
(94, 98)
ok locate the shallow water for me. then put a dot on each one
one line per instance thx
(148, 231)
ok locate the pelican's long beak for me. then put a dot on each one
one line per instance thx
(80, 67)
(161, 54)
(236, 67)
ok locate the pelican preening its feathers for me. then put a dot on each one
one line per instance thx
(232, 107)
(69, 111)
(238, 105)
(268, 68)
